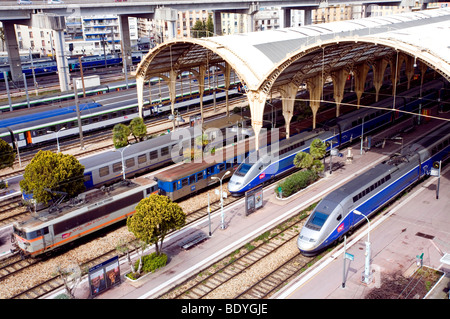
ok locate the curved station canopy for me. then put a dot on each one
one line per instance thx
(285, 60)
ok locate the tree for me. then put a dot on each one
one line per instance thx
(7, 155)
(155, 216)
(120, 135)
(209, 26)
(138, 128)
(311, 160)
(303, 160)
(317, 148)
(199, 29)
(59, 173)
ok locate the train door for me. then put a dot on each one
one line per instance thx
(28, 137)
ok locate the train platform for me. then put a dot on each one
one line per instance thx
(409, 238)
(241, 229)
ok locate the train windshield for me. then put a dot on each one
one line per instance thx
(19, 232)
(317, 220)
(243, 169)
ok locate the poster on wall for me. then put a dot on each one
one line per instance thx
(104, 276)
(253, 200)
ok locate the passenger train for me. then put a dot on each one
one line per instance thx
(335, 215)
(38, 128)
(48, 66)
(97, 208)
(106, 167)
(48, 230)
(256, 171)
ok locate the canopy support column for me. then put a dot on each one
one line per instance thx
(201, 87)
(172, 93)
(379, 67)
(339, 78)
(257, 101)
(360, 80)
(314, 86)
(288, 94)
(140, 94)
(227, 76)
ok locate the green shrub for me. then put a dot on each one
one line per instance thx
(151, 262)
(296, 182)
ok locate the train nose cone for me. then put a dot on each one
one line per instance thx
(305, 244)
(233, 185)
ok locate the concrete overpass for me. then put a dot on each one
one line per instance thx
(285, 60)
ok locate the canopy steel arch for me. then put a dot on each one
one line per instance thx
(283, 60)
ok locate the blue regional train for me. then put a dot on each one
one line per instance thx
(48, 66)
(335, 215)
(258, 170)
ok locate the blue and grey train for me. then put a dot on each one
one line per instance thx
(48, 66)
(335, 215)
(34, 129)
(258, 170)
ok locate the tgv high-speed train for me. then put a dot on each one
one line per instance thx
(334, 216)
(256, 170)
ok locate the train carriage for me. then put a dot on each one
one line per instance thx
(51, 229)
(188, 178)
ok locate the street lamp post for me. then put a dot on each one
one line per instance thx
(57, 136)
(176, 118)
(222, 225)
(121, 150)
(367, 276)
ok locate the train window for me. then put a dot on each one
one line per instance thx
(355, 198)
(104, 117)
(104, 171)
(184, 182)
(174, 186)
(117, 167)
(84, 122)
(199, 176)
(142, 158)
(192, 179)
(221, 167)
(318, 219)
(388, 177)
(210, 170)
(153, 155)
(164, 151)
(129, 162)
(339, 217)
(354, 123)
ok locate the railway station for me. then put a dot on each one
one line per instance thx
(290, 65)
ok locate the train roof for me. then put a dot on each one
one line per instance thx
(84, 202)
(185, 133)
(42, 117)
(220, 156)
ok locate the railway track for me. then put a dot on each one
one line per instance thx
(15, 265)
(242, 262)
(103, 141)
